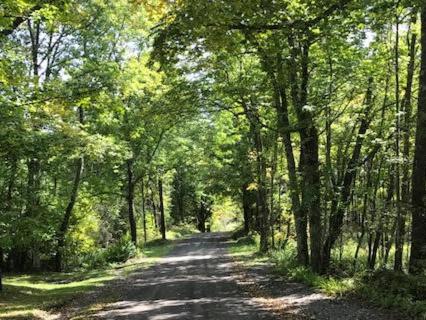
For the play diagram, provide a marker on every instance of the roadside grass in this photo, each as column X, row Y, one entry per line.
column 247, row 249
column 32, row 296
column 180, row 231
column 245, row 246
column 386, row 289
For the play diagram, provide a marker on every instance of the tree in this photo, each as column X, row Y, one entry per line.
column 418, row 238
column 183, row 195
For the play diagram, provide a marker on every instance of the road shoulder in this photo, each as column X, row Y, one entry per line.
column 293, row 300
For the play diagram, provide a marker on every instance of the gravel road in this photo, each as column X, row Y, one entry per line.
column 195, row 281
column 200, row 280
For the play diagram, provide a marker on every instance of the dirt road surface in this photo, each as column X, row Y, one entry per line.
column 200, row 280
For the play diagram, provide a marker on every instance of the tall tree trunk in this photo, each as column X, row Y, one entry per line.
column 34, row 166
column 162, row 218
column 399, row 236
column 367, row 189
column 143, row 209
column 418, row 237
column 262, row 203
column 374, row 241
column 131, row 201
column 203, row 215
column 273, row 215
column 300, row 216
column 68, row 213
column 79, row 167
column 406, row 128
column 8, row 204
column 154, row 210
column 246, row 199
column 279, row 84
column 262, row 194
column 309, row 149
column 340, row 203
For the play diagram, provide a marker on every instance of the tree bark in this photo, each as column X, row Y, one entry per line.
column 309, row 149
column 418, row 237
column 273, row 66
column 143, row 210
column 130, row 201
column 273, row 215
column 79, row 167
column 162, row 218
column 399, row 235
column 342, row 201
column 367, row 190
column 262, row 203
column 247, row 203
column 300, row 217
column 406, row 131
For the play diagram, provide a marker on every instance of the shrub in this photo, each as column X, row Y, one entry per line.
column 285, row 259
column 396, row 290
column 247, row 241
column 181, row 230
column 94, row 259
column 120, row 251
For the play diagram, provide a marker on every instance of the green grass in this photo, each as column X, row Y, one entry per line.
column 244, row 246
column 179, row 231
column 247, row 249
column 32, row 296
column 399, row 292
column 28, row 296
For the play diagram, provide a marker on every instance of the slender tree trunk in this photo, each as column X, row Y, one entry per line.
column 287, row 234
column 300, row 216
column 279, row 84
column 364, row 214
column 340, row 204
column 131, row 201
column 34, row 166
column 246, row 209
column 68, row 213
column 372, row 259
column 143, row 210
column 273, row 215
column 79, row 167
column 201, row 219
column 389, row 239
column 311, row 195
column 162, row 218
column 373, row 246
column 309, row 148
column 406, row 128
column 8, row 205
column 418, row 237
column 262, row 203
column 399, row 236
column 154, row 211
column 11, row 184
column 311, row 166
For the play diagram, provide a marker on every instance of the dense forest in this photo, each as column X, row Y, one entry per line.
column 300, row 122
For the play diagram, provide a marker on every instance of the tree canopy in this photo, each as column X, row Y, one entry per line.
column 121, row 119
